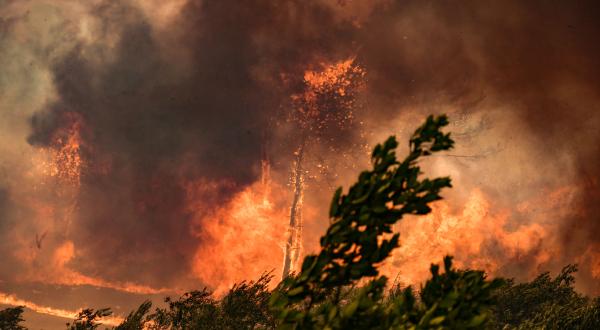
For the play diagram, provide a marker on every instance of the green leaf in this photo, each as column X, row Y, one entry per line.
column 333, row 210
column 295, row 291
column 349, row 309
column 437, row 320
column 476, row 321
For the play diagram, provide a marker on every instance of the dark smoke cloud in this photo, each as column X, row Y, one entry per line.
column 519, row 53
column 5, row 220
column 538, row 60
column 197, row 100
column 159, row 125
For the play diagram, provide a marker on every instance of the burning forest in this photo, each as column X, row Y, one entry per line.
column 150, row 148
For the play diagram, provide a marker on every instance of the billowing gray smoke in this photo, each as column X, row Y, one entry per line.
column 200, row 98
column 158, row 122
column 536, row 62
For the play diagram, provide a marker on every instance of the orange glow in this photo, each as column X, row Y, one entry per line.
column 326, row 102
column 64, row 254
column 58, row 272
column 332, row 88
column 61, row 164
column 470, row 235
column 69, row 277
column 131, row 132
column 12, row 300
column 336, row 74
column 240, row 240
column 592, row 257
column 65, row 162
column 595, row 264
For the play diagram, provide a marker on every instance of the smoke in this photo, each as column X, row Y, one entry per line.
column 151, row 119
column 164, row 97
column 520, row 81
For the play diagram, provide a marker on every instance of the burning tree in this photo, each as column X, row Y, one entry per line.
column 360, row 238
column 340, row 287
column 325, row 106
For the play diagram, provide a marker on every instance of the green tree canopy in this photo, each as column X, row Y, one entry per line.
column 360, row 237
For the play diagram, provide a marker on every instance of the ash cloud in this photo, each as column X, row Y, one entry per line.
column 197, row 99
column 532, row 67
column 158, row 119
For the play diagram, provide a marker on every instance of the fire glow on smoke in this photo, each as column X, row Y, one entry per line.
column 167, row 172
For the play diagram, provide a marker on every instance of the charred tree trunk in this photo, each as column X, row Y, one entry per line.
column 294, row 243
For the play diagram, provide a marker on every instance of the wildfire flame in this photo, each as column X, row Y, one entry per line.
column 592, row 255
column 60, row 166
column 247, row 236
column 240, row 240
column 329, row 95
column 477, row 235
column 64, row 155
column 96, row 124
column 327, row 101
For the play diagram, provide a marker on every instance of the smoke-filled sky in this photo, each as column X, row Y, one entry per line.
column 146, row 147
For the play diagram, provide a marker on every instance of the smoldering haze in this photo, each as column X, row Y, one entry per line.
column 197, row 99
column 153, row 120
column 537, row 63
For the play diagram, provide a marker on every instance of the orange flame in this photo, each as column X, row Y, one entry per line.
column 240, row 240
column 337, row 83
column 65, row 161
column 61, row 164
column 592, row 257
column 477, row 236
column 337, row 75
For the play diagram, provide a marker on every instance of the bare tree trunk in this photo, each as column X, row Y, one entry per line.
column 294, row 243
column 265, row 168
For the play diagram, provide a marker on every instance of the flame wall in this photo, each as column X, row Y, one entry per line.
column 133, row 134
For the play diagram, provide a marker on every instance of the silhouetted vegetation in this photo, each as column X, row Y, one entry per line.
column 360, row 237
column 545, row 303
column 245, row 306
column 88, row 319
column 10, row 318
column 340, row 287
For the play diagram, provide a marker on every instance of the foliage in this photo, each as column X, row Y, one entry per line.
column 340, row 288
column 245, row 306
column 192, row 309
column 360, row 238
column 88, row 319
column 136, row 320
column 11, row 317
column 456, row 299
column 545, row 303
